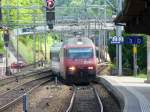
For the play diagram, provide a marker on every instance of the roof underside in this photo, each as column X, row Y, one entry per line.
column 136, row 16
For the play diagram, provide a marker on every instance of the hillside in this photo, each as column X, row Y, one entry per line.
column 26, row 48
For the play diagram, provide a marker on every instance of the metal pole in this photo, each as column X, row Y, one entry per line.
column 17, row 35
column 104, row 45
column 88, row 28
column 25, row 103
column 56, row 80
column 8, row 12
column 45, row 38
column 100, row 35
column 34, row 42
column 38, row 47
column 6, row 73
column 106, row 38
column 105, row 12
column 119, row 4
column 135, row 59
column 148, row 58
column 101, row 43
column 117, row 57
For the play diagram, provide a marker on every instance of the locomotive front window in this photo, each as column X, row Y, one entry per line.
column 77, row 53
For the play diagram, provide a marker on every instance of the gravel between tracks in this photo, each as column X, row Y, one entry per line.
column 17, row 92
column 50, row 98
column 109, row 103
column 47, row 98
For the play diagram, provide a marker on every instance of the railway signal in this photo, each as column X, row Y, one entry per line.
column 6, row 38
column 50, row 13
column 50, row 4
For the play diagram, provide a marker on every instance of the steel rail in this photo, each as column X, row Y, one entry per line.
column 4, row 107
column 71, row 102
column 69, row 109
column 2, row 93
column 21, row 75
column 99, row 100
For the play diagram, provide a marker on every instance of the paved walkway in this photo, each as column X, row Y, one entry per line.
column 136, row 93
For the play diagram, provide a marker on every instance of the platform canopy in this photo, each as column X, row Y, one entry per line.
column 135, row 16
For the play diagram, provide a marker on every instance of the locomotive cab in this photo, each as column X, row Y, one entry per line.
column 79, row 60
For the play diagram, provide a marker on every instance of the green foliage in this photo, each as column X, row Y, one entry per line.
column 1, row 43
column 127, row 55
column 142, row 55
column 141, row 75
column 23, row 40
column 77, row 2
column 25, row 16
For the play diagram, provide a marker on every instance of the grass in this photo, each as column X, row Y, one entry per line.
column 2, row 50
column 142, row 75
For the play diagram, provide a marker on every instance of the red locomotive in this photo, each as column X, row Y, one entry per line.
column 78, row 60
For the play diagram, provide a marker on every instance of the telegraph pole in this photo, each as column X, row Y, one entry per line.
column 45, row 38
column 119, row 47
column 34, row 42
column 105, row 17
column 17, row 37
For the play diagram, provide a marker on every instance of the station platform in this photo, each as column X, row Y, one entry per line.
column 133, row 93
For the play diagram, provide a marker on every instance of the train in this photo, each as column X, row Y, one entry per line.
column 55, row 58
column 77, row 60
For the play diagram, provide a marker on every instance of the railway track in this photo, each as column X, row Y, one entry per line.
column 11, row 97
column 22, row 75
column 85, row 99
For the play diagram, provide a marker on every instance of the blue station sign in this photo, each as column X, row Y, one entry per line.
column 117, row 40
column 133, row 40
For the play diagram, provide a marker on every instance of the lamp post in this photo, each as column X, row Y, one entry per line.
column 119, row 47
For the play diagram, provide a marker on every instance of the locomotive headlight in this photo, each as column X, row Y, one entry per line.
column 90, row 68
column 72, row 68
